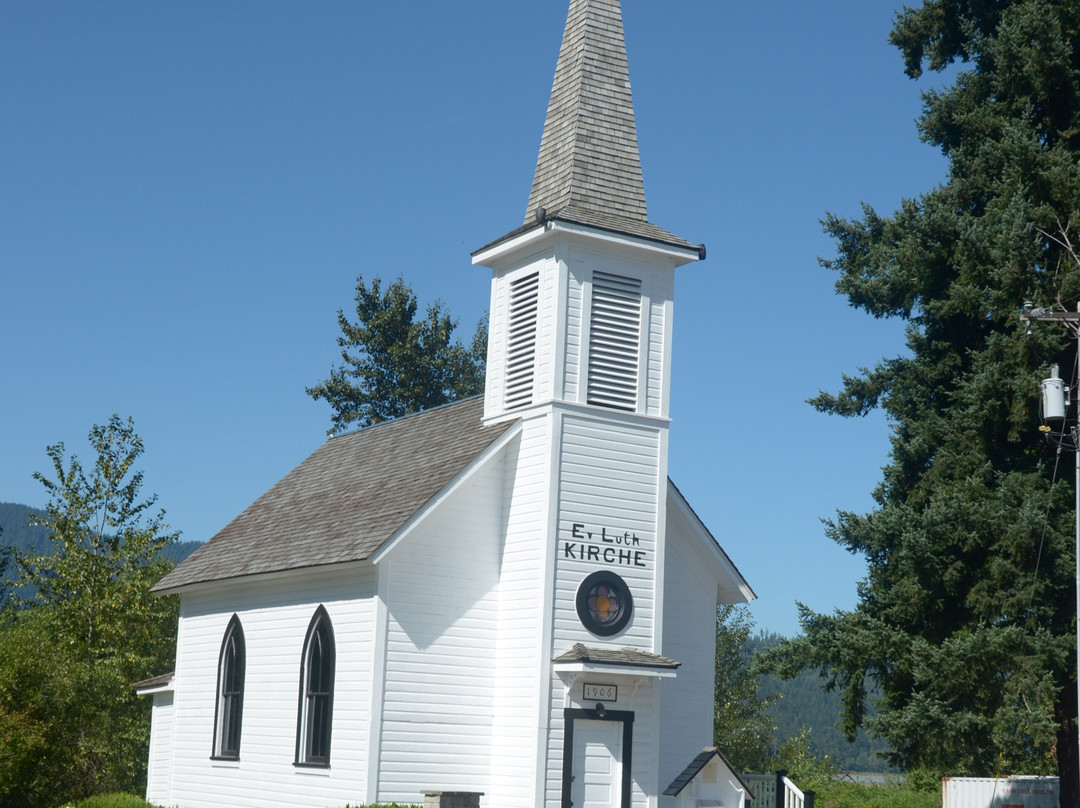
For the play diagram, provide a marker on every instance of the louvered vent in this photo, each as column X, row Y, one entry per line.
column 614, row 341
column 521, row 341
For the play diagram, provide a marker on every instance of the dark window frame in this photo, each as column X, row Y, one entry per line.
column 626, row 718
column 229, row 694
column 315, row 710
column 581, row 600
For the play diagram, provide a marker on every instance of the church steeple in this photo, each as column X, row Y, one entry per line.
column 589, row 170
column 589, row 152
column 582, row 292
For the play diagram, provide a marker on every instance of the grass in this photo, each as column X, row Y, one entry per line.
column 845, row 794
column 111, row 801
column 839, row 794
column 132, row 801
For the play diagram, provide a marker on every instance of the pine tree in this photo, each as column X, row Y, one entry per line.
column 966, row 617
column 394, row 364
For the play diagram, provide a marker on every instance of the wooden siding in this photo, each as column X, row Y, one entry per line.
column 442, row 610
column 546, row 371
column 608, row 482
column 658, row 357
column 275, row 616
column 498, row 323
column 646, row 748
column 639, row 696
column 686, row 702
column 575, row 294
column 522, row 656
column 159, row 770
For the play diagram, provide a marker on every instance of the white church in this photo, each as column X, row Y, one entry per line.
column 504, row 600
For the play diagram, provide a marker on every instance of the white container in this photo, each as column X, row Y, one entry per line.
column 1053, row 397
column 1003, row 792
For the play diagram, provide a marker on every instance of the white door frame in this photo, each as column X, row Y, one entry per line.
column 626, row 717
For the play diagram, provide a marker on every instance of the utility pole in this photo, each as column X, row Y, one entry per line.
column 1054, row 404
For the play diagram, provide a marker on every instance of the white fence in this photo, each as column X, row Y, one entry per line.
column 766, row 787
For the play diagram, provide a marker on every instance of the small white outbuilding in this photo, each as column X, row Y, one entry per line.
column 505, row 597
column 709, row 782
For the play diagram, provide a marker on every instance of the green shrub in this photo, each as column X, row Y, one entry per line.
column 846, row 794
column 119, row 800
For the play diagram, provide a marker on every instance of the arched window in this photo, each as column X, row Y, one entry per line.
column 229, row 711
column 316, row 693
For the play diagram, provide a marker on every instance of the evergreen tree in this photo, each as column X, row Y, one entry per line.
column 966, row 617
column 394, row 364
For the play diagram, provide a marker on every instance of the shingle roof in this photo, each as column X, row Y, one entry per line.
column 153, row 681
column 589, row 169
column 589, row 151
column 695, row 766
column 346, row 499
column 617, row 656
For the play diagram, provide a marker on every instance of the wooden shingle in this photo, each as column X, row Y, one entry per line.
column 631, row 657
column 346, row 499
column 589, row 169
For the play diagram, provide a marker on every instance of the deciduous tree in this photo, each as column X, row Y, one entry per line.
column 966, row 617
column 70, row 723
column 393, row 363
column 743, row 729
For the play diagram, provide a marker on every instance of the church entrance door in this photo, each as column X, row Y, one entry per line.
column 597, row 764
column 596, row 758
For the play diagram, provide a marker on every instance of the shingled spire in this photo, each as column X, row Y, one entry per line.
column 589, row 152
column 589, row 169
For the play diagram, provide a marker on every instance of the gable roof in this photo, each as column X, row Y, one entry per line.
column 588, row 171
column 347, row 498
column 695, row 766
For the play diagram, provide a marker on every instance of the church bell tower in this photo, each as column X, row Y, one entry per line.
column 580, row 351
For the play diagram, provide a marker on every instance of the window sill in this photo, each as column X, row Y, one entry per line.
column 225, row 763
column 318, row 769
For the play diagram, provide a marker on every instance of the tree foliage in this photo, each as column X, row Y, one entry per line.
column 70, row 723
column 803, row 705
column 393, row 363
column 966, row 617
column 743, row 729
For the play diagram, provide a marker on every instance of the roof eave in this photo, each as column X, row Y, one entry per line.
column 529, row 235
column 716, row 553
column 615, row 667
column 278, row 576
column 155, row 684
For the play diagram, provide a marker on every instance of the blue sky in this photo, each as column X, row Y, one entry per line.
column 189, row 189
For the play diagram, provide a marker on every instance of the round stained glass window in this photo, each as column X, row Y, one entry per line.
column 604, row 604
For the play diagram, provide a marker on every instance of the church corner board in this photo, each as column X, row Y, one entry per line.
column 504, row 597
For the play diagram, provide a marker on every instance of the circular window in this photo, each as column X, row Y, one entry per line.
column 604, row 604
